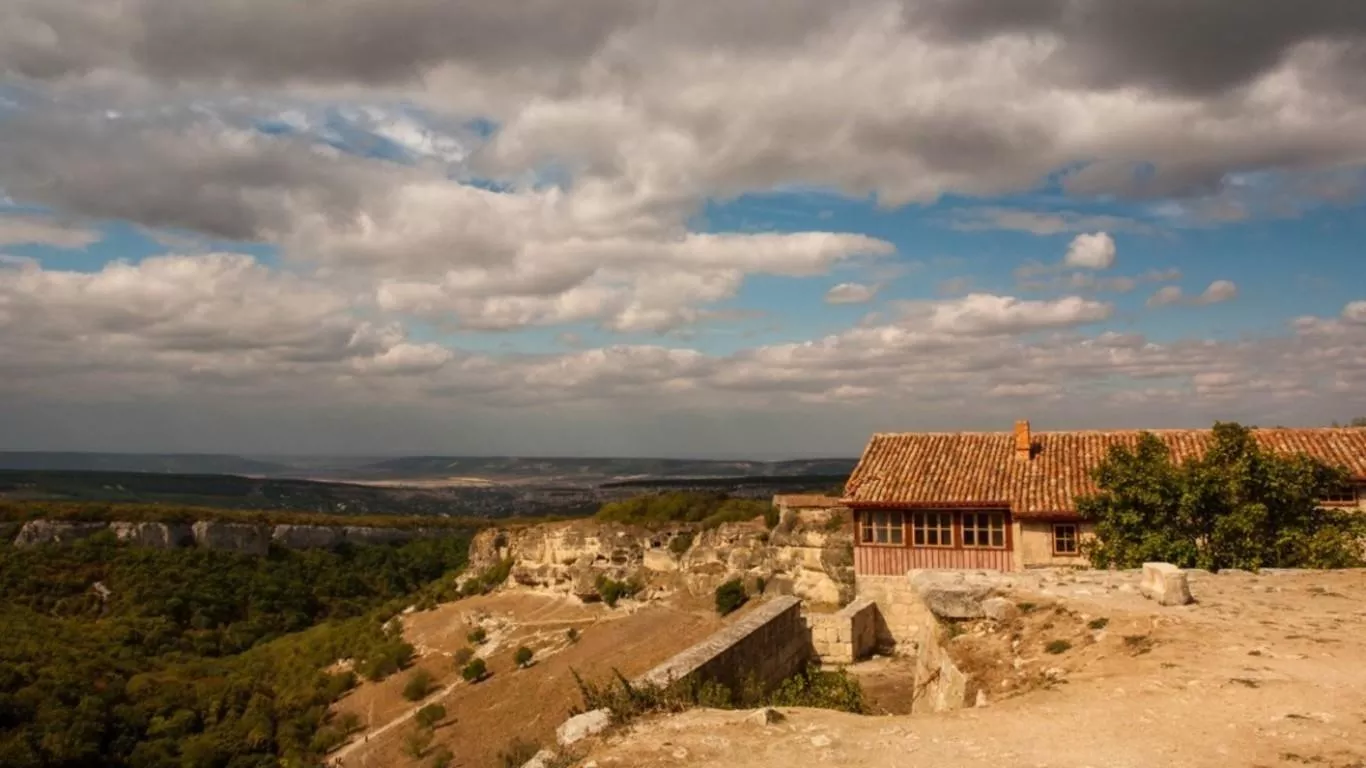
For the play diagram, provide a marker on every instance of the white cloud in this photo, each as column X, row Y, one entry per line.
column 851, row 293
column 1218, row 292
column 1091, row 251
column 988, row 314
column 22, row 229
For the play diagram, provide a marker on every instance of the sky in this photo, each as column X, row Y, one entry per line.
column 668, row 228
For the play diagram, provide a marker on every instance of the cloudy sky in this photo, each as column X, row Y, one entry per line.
column 648, row 227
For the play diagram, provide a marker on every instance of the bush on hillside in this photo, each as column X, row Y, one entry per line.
column 442, row 757
column 1237, row 506
column 430, row 715
column 477, row 636
column 463, row 656
column 416, row 742
column 708, row 509
column 611, row 590
column 474, row 671
column 730, row 596
column 418, row 685
column 680, row 544
column 523, row 656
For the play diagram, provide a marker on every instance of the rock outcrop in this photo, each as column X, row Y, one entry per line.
column 155, row 535
column 56, row 532
column 569, row 558
column 233, row 537
column 1166, row 584
column 307, row 536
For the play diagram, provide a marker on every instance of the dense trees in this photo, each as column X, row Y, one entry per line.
column 1238, row 506
column 709, row 509
column 126, row 656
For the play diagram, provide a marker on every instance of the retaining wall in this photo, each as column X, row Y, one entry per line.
column 901, row 616
column 771, row 642
column 846, row 636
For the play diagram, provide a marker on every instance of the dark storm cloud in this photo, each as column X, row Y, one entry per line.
column 1196, row 47
column 240, row 187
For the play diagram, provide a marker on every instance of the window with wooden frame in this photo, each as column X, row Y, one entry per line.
column 1065, row 539
column 881, row 527
column 984, row 530
column 1345, row 495
column 932, row 529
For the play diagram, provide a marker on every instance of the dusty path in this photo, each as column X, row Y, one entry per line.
column 1266, row 671
column 528, row 704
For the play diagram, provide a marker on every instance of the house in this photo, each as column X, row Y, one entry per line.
column 1007, row 500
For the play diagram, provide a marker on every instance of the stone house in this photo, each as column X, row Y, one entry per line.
column 1007, row 500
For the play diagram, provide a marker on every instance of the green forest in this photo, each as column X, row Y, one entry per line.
column 707, row 509
column 122, row 656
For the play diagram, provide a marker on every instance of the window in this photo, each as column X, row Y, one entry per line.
column 881, row 528
column 1344, row 495
column 984, row 530
column 1064, row 539
column 932, row 529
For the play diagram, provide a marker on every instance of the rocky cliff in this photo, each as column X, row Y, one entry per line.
column 806, row 557
column 237, row 537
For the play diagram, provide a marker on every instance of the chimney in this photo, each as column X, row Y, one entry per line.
column 1024, row 446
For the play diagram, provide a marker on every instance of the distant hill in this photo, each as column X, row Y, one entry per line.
column 591, row 470
column 179, row 463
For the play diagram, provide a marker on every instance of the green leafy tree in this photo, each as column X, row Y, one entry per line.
column 477, row 636
column 1237, row 506
column 416, row 742
column 418, row 685
column 442, row 757
column 475, row 671
column 523, row 656
column 730, row 596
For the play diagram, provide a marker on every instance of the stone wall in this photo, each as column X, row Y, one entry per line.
column 250, row 538
column 770, row 642
column 902, row 616
column 847, row 635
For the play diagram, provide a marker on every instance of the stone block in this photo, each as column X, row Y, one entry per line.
column 580, row 727
column 999, row 609
column 1166, row 584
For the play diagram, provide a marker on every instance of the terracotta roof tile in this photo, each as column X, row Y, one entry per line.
column 981, row 468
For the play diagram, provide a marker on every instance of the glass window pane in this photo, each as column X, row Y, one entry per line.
column 998, row 538
column 969, row 537
column 919, row 537
column 882, row 534
column 896, row 534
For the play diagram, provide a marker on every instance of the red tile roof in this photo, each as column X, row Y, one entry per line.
column 981, row 468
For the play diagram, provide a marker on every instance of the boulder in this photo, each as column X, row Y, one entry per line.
column 155, row 535
column 307, row 536
column 540, row 759
column 949, row 595
column 56, row 532
column 580, row 727
column 1166, row 584
column 999, row 610
column 765, row 716
column 233, row 537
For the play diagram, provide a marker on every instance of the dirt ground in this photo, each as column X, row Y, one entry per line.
column 1264, row 670
column 482, row 719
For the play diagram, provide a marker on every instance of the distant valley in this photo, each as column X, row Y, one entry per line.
column 420, row 485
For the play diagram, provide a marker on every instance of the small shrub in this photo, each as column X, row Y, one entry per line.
column 477, row 636
column 572, row 634
column 680, row 543
column 517, row 753
column 1027, row 607
column 523, row 657
column 430, row 715
column 1057, row 646
column 834, row 524
column 771, row 517
column 611, row 591
column 419, row 684
column 463, row 656
column 1100, row 623
column 442, row 758
column 416, row 742
column 1138, row 644
column 475, row 671
column 386, row 660
column 348, row 722
column 730, row 596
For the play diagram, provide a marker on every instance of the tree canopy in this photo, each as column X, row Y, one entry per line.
column 1237, row 506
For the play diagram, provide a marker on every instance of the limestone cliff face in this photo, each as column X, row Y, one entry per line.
column 155, row 535
column 233, row 537
column 813, row 563
column 55, row 532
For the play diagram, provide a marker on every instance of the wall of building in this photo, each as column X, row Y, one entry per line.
column 1034, row 544
column 771, row 642
column 845, row 636
column 902, row 617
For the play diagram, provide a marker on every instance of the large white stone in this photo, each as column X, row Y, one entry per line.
column 580, row 727
column 1166, row 584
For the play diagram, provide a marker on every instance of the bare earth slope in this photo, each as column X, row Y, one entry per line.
column 1266, row 670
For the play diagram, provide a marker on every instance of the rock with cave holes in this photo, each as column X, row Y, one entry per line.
column 1165, row 584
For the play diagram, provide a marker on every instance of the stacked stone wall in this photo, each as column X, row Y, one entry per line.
column 771, row 643
column 847, row 635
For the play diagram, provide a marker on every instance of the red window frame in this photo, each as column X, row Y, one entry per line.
column 1076, row 539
